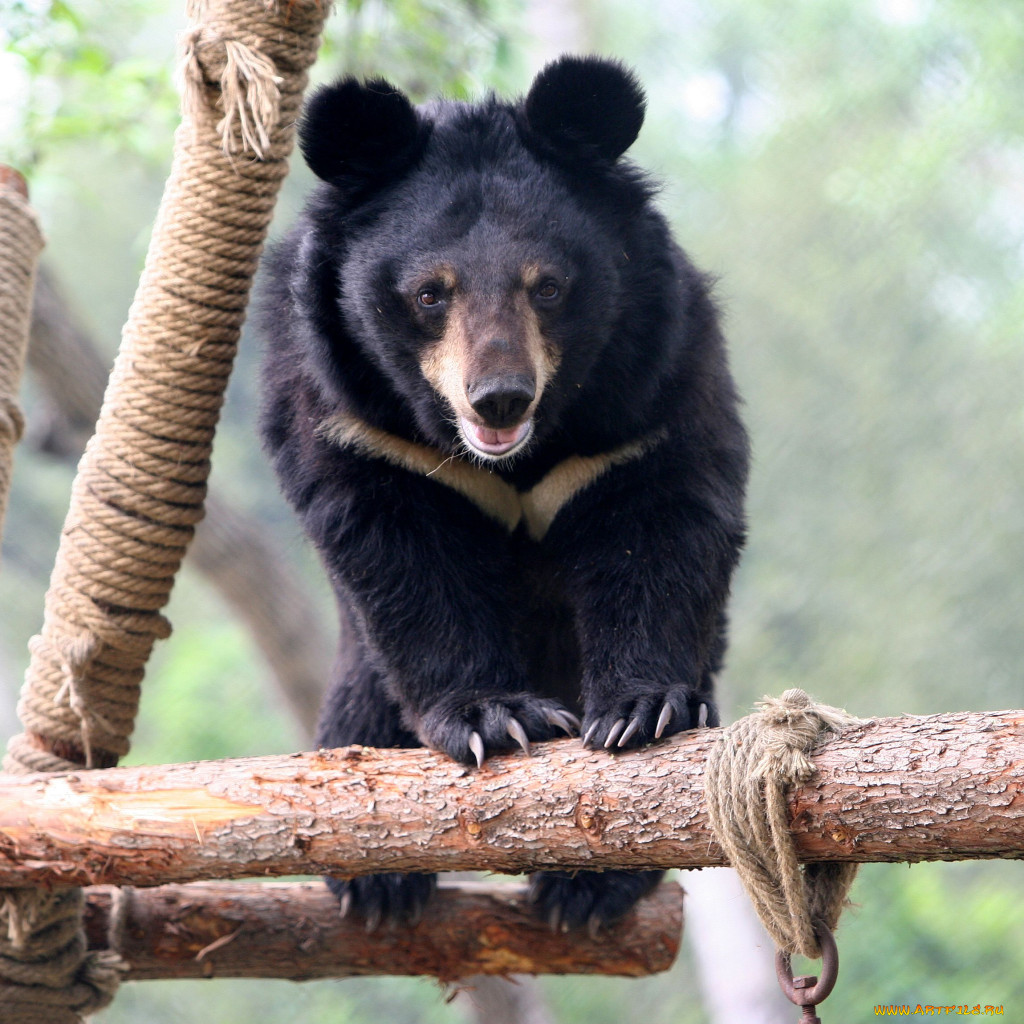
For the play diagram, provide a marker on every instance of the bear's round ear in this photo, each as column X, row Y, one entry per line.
column 355, row 133
column 585, row 107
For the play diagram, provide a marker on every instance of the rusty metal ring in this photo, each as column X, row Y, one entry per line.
column 820, row 987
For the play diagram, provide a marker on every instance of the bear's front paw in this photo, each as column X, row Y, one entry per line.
column 631, row 721
column 470, row 730
column 572, row 899
column 397, row 899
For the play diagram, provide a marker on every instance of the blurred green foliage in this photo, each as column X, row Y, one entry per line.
column 851, row 170
column 432, row 46
column 90, row 77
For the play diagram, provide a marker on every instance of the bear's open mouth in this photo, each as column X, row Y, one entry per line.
column 495, row 444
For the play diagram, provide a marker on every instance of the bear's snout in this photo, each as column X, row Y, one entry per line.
column 501, row 400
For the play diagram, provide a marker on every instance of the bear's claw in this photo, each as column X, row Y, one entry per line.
column 588, row 899
column 663, row 719
column 518, row 733
column 630, row 731
column 615, row 732
column 476, row 745
column 389, row 896
column 564, row 720
column 632, row 723
column 469, row 731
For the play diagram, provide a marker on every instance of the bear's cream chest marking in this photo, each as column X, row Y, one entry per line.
column 496, row 498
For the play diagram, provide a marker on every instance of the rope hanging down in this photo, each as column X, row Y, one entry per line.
column 755, row 761
column 141, row 483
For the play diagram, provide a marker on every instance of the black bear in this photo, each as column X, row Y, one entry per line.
column 496, row 393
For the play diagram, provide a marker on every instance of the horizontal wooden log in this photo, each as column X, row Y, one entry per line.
column 293, row 931
column 942, row 787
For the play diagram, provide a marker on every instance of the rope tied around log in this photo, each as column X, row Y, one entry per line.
column 748, row 772
column 46, row 976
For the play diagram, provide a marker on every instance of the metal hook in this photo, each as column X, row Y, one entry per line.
column 808, row 991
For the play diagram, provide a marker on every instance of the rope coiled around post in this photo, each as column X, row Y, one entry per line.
column 21, row 241
column 46, row 977
column 748, row 773
column 141, row 483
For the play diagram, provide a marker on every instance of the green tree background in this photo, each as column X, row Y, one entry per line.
column 852, row 171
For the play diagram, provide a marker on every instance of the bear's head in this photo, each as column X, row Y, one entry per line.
column 480, row 254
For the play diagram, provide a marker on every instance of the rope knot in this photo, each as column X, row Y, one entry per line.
column 792, row 725
column 76, row 657
column 218, row 73
column 755, row 761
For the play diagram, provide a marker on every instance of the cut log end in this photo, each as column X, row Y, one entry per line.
column 13, row 181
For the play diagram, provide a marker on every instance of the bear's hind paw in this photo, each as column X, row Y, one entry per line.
column 389, row 897
column 574, row 899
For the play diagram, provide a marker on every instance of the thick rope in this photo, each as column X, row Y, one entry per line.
column 45, row 974
column 748, row 772
column 140, row 485
column 21, row 241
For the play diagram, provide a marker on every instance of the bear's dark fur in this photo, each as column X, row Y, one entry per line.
column 497, row 395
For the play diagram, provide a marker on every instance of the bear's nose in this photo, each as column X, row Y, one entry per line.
column 501, row 401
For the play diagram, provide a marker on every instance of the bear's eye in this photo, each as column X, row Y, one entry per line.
column 428, row 297
column 548, row 290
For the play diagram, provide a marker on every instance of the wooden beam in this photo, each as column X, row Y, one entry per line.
column 942, row 787
column 293, row 930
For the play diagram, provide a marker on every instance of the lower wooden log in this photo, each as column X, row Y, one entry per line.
column 293, row 931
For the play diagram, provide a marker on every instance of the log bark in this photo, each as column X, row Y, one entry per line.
column 293, row 931
column 942, row 787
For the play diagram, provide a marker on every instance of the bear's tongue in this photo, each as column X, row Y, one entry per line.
column 495, row 442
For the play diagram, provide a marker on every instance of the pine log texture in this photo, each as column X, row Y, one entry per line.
column 942, row 787
column 292, row 930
